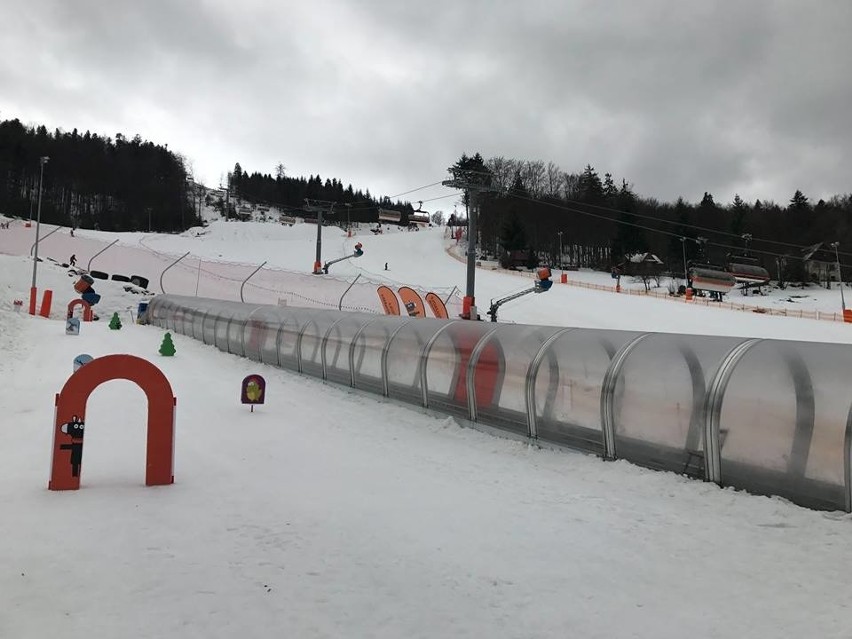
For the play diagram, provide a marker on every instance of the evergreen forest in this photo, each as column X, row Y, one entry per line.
column 598, row 221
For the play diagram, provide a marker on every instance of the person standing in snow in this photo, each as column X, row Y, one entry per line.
column 73, row 260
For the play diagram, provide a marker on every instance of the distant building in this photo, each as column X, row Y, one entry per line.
column 820, row 263
column 644, row 258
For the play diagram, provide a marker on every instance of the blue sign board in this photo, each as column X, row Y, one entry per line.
column 81, row 360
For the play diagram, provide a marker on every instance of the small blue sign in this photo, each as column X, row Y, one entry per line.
column 72, row 326
column 81, row 360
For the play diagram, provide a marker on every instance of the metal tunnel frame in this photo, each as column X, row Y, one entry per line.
column 813, row 467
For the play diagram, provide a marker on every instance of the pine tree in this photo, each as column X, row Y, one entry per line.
column 610, row 191
column 591, row 188
column 629, row 238
column 513, row 236
column 738, row 215
column 167, row 348
column 115, row 322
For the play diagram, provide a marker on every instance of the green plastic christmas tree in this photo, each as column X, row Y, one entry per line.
column 167, row 348
column 115, row 322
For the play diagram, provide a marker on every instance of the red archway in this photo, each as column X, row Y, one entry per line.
column 70, row 419
column 88, row 313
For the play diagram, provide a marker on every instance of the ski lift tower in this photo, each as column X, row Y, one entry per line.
column 473, row 183
column 319, row 207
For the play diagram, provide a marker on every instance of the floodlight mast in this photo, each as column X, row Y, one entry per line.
column 42, row 161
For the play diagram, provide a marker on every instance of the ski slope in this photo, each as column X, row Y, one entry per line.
column 231, row 251
column 329, row 513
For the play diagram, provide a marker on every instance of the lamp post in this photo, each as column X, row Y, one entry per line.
column 559, row 233
column 834, row 245
column 683, row 246
column 43, row 160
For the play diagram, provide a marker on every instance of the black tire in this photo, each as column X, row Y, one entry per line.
column 140, row 281
column 99, row 275
column 120, row 278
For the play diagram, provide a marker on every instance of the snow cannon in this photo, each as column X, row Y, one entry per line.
column 541, row 285
column 84, row 283
column 87, row 293
column 543, row 281
column 358, row 252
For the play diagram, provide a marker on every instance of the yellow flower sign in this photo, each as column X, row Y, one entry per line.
column 253, row 390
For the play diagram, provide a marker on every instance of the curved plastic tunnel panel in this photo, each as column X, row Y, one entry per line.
column 367, row 349
column 659, row 400
column 404, row 351
column 338, row 343
column 783, row 422
column 446, row 367
column 569, row 384
column 503, row 369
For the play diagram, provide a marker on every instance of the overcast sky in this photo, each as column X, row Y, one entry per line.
column 678, row 97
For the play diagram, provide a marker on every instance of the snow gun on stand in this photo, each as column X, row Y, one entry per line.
column 87, row 292
column 358, row 252
column 542, row 284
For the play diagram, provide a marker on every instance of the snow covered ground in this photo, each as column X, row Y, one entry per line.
column 329, row 513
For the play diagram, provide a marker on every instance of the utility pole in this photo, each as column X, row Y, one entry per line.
column 348, row 219
column 473, row 183
column 834, row 245
column 43, row 160
column 559, row 233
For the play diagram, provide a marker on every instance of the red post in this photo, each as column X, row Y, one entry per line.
column 46, row 301
column 33, row 293
column 467, row 302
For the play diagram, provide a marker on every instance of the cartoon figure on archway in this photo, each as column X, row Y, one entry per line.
column 75, row 429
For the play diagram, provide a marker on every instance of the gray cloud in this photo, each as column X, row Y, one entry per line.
column 679, row 97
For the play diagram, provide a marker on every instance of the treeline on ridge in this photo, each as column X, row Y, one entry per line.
column 92, row 181
column 291, row 194
column 96, row 182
